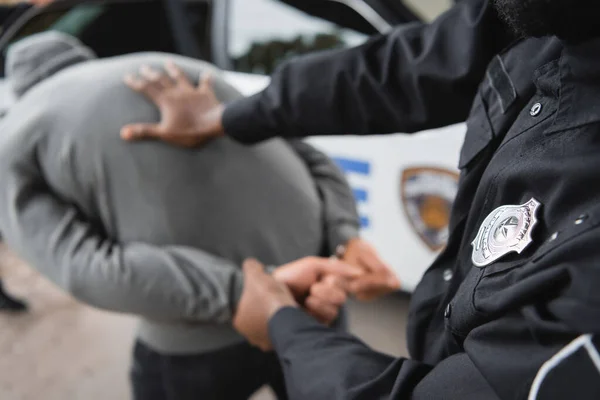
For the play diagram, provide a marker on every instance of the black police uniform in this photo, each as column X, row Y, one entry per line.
column 533, row 132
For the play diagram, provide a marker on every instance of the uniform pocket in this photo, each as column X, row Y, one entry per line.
column 502, row 266
column 493, row 290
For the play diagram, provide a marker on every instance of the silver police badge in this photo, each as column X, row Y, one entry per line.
column 507, row 229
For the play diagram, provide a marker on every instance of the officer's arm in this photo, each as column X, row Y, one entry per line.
column 417, row 77
column 550, row 301
column 166, row 282
column 500, row 361
column 337, row 199
column 320, row 363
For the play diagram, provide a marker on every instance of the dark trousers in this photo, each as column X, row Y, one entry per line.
column 232, row 373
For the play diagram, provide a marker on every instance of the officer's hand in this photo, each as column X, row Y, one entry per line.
column 261, row 298
column 378, row 278
column 190, row 115
column 318, row 284
column 326, row 297
column 301, row 275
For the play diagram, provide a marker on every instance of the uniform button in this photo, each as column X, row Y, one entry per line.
column 581, row 219
column 448, row 311
column 448, row 275
column 536, row 109
column 553, row 237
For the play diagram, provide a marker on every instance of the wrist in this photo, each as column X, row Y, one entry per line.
column 340, row 238
column 276, row 307
column 215, row 116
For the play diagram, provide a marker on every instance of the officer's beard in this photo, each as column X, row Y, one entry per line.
column 570, row 20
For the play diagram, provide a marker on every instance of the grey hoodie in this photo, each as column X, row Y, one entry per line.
column 151, row 229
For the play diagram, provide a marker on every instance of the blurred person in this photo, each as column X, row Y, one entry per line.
column 161, row 232
column 8, row 14
column 511, row 307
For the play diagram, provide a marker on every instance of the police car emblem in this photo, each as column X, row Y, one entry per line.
column 427, row 195
column 507, row 229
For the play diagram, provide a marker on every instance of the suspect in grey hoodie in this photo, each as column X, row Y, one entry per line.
column 147, row 228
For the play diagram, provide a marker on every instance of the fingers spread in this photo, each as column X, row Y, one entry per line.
column 134, row 82
column 155, row 78
column 141, row 131
column 177, row 74
column 150, row 83
column 206, row 82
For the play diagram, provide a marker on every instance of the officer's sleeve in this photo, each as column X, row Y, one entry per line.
column 419, row 76
column 547, row 304
column 337, row 199
column 166, row 282
column 320, row 363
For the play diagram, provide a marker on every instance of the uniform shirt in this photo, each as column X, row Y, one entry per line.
column 148, row 228
column 533, row 132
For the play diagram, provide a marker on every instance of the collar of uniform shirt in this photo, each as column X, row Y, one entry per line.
column 575, row 80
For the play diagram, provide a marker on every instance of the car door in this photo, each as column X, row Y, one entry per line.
column 404, row 185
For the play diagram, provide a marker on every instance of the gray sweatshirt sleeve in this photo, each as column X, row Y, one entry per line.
column 165, row 282
column 339, row 206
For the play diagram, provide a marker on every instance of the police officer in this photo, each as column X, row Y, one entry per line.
column 510, row 308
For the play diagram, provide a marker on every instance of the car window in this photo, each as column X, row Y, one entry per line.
column 263, row 33
column 112, row 29
column 109, row 29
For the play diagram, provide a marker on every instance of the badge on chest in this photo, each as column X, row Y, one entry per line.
column 507, row 229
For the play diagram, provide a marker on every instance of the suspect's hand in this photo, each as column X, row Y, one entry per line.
column 190, row 115
column 378, row 278
column 261, row 298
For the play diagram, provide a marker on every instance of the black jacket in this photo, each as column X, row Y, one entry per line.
column 533, row 133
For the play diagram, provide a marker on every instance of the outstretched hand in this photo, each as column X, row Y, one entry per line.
column 190, row 115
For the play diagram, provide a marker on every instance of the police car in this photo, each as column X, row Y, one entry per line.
column 404, row 185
